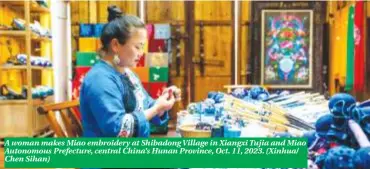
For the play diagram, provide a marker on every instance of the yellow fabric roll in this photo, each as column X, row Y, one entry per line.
column 338, row 48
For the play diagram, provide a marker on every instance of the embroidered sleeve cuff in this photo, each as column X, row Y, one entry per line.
column 127, row 126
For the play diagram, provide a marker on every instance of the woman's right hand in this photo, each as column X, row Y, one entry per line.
column 164, row 103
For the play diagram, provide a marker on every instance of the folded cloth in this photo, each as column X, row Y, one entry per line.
column 339, row 158
column 361, row 159
column 323, row 125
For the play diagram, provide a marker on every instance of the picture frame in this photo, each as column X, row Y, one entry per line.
column 287, row 48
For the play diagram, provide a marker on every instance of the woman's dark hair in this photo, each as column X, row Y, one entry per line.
column 119, row 26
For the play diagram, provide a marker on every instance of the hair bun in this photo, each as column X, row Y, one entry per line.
column 114, row 12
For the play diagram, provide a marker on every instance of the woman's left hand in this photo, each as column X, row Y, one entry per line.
column 175, row 90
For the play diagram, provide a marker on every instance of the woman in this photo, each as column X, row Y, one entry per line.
column 113, row 101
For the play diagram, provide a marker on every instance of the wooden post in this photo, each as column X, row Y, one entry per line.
column 251, row 75
column 239, row 49
column 27, row 16
column 189, row 52
column 232, row 47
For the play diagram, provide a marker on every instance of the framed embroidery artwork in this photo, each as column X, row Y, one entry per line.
column 286, row 48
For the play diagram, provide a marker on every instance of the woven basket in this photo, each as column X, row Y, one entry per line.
column 189, row 131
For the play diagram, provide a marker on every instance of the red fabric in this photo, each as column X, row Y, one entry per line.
column 333, row 144
column 77, row 81
column 156, row 89
column 82, row 71
column 141, row 62
column 75, row 90
column 154, row 45
column 77, row 110
column 146, row 86
column 157, row 45
column 359, row 47
column 150, row 31
column 321, row 151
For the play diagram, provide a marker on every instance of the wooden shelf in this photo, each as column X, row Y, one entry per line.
column 13, row 33
column 39, row 39
column 34, row 6
column 22, row 34
column 36, row 102
column 24, row 67
column 20, row 116
column 37, row 8
column 14, row 3
column 13, row 102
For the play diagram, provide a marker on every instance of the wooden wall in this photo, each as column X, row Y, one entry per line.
column 217, row 43
column 217, row 39
column 95, row 11
column 244, row 40
column 217, row 46
column 165, row 12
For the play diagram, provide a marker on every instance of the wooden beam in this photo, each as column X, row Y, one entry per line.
column 252, row 75
column 189, row 51
column 197, row 22
column 248, row 51
column 233, row 80
column 27, row 17
column 239, row 17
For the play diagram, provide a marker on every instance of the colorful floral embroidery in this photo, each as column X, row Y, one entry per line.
column 127, row 127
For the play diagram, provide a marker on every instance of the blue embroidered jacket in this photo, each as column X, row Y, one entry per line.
column 112, row 104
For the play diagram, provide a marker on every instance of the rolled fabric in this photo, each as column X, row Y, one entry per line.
column 219, row 98
column 359, row 134
column 340, row 109
column 211, row 94
column 361, row 158
column 256, row 91
column 263, row 96
column 216, row 96
column 323, row 125
column 311, row 136
column 208, row 106
column 338, row 136
column 364, row 103
column 284, row 93
column 361, row 115
column 320, row 160
column 340, row 157
column 193, row 108
column 346, row 98
column 239, row 93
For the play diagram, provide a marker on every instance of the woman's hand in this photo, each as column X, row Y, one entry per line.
column 164, row 103
column 175, row 90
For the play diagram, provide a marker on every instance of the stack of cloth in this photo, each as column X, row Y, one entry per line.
column 36, row 28
column 38, row 92
column 35, row 60
column 340, row 139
